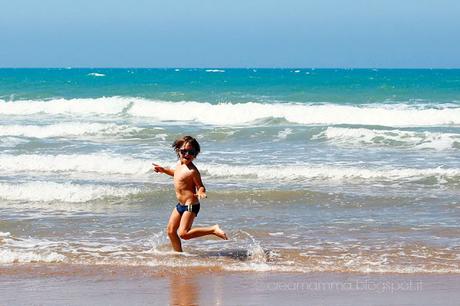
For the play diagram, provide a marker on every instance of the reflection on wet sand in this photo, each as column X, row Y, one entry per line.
column 184, row 290
column 195, row 288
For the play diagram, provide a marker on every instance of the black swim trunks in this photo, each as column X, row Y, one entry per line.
column 195, row 208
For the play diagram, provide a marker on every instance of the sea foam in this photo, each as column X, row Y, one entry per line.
column 66, row 129
column 65, row 192
column 112, row 165
column 329, row 173
column 21, row 256
column 102, row 106
column 394, row 138
column 295, row 113
column 97, row 163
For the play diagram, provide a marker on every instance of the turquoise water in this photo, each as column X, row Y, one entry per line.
column 351, row 86
column 306, row 170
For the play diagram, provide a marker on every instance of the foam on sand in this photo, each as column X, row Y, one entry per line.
column 18, row 256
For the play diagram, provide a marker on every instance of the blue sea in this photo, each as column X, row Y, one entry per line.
column 307, row 170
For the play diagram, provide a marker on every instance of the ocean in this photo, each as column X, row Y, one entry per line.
column 307, row 170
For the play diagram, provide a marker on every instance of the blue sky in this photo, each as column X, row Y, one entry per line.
column 224, row 33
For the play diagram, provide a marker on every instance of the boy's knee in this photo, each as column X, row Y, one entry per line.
column 171, row 230
column 183, row 234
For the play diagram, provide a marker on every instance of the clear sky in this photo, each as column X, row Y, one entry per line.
column 230, row 33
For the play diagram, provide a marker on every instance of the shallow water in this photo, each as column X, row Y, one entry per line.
column 315, row 170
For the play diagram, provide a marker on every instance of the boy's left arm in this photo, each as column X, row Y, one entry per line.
column 200, row 189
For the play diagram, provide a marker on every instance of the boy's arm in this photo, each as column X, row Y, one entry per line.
column 200, row 189
column 160, row 169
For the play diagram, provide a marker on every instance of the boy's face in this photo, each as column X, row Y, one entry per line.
column 187, row 153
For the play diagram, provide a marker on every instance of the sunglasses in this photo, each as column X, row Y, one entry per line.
column 191, row 152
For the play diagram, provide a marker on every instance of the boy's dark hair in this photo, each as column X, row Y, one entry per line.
column 178, row 143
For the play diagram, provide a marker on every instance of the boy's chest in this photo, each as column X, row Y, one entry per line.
column 183, row 176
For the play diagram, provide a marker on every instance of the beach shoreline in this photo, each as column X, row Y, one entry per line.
column 34, row 284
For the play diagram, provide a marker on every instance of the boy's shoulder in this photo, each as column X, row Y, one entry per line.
column 193, row 167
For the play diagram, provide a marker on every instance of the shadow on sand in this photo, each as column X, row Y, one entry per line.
column 237, row 254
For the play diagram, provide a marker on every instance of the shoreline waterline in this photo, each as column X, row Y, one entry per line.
column 197, row 287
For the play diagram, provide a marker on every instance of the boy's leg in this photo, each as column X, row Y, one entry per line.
column 187, row 232
column 173, row 225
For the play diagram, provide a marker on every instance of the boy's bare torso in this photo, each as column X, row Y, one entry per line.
column 189, row 189
column 185, row 183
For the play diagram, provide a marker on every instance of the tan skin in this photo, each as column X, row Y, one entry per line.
column 189, row 190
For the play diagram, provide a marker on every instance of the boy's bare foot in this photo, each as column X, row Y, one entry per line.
column 219, row 233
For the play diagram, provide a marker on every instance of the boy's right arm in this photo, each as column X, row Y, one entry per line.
column 160, row 169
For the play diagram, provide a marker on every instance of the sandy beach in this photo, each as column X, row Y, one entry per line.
column 110, row 285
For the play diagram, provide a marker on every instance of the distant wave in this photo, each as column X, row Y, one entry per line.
column 95, row 74
column 393, row 138
column 101, row 106
column 215, row 70
column 245, row 113
column 66, row 129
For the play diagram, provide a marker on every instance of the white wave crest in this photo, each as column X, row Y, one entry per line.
column 66, row 129
column 422, row 140
column 98, row 163
column 215, row 70
column 96, row 74
column 331, row 173
column 297, row 113
column 22, row 256
column 5, row 234
column 104, row 106
column 284, row 134
column 11, row 142
column 242, row 113
column 41, row 191
column 105, row 164
column 27, row 250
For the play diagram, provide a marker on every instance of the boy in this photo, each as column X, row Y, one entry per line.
column 189, row 190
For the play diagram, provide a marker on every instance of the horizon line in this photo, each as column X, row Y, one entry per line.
column 247, row 68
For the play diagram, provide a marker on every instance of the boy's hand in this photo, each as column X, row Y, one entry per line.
column 158, row 168
column 201, row 195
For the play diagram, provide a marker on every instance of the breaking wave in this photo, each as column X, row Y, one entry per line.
column 217, row 114
column 392, row 138
column 65, row 192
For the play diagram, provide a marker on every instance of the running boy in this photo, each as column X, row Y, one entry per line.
column 189, row 190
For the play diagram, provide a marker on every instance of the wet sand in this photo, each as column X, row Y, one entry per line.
column 110, row 285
